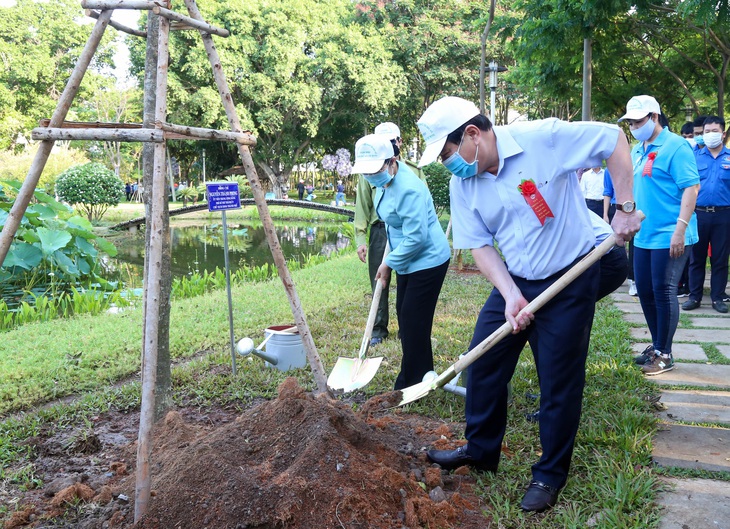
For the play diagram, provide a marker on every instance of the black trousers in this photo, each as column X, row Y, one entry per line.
column 416, row 297
column 713, row 229
column 561, row 332
column 614, row 269
column 376, row 248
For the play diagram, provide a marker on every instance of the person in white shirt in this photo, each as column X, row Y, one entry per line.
column 516, row 186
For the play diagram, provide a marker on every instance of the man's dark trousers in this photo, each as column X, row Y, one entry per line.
column 561, row 330
column 376, row 247
column 712, row 228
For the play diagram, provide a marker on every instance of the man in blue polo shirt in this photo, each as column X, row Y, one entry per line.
column 516, row 186
column 713, row 217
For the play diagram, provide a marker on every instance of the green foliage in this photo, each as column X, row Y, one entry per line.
column 301, row 73
column 52, row 250
column 91, row 188
column 438, row 178
column 15, row 165
column 40, row 43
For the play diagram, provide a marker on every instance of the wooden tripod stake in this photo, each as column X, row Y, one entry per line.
column 158, row 135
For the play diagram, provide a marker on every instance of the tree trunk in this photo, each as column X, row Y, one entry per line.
column 164, row 378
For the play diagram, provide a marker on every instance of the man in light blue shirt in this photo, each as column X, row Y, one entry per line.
column 516, row 185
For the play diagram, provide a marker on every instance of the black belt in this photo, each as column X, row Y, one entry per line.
column 711, row 209
column 594, row 200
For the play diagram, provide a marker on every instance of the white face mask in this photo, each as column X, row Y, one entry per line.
column 692, row 142
column 644, row 132
column 712, row 139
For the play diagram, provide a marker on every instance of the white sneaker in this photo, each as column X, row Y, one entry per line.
column 632, row 288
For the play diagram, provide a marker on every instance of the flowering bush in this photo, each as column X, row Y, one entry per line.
column 91, row 188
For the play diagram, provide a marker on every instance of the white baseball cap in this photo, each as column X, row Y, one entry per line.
column 388, row 129
column 640, row 106
column 371, row 151
column 441, row 119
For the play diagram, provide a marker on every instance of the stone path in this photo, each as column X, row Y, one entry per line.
column 694, row 429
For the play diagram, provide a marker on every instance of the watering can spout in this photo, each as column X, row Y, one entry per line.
column 246, row 347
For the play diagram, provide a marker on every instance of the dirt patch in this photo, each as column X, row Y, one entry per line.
column 297, row 462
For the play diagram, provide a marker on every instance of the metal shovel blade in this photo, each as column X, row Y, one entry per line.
column 350, row 374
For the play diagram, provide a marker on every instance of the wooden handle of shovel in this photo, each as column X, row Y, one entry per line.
column 367, row 335
column 537, row 303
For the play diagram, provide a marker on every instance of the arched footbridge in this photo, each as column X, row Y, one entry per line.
column 133, row 224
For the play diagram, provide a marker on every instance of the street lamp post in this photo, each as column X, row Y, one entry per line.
column 493, row 69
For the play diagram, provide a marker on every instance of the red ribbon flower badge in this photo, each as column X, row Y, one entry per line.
column 535, row 200
column 649, row 164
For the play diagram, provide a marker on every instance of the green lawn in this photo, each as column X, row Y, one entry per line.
column 612, row 482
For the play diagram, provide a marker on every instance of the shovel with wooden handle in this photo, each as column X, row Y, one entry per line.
column 417, row 391
column 350, row 374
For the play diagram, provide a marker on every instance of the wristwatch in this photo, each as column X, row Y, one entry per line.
column 626, row 207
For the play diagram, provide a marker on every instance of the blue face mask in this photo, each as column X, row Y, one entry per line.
column 700, row 140
column 379, row 179
column 459, row 167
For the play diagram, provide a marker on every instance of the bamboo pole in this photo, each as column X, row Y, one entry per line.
column 56, row 133
column 118, row 26
column 197, row 24
column 312, row 356
column 44, row 150
column 122, row 4
column 208, row 134
column 152, row 288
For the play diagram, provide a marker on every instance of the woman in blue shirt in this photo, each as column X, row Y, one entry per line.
column 419, row 252
column 666, row 183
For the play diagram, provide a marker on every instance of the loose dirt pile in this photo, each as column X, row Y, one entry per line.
column 296, row 462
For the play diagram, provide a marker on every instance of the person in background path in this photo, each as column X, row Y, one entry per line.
column 665, row 185
column 516, row 186
column 419, row 252
column 713, row 217
column 340, row 196
column 688, row 134
column 697, row 127
column 609, row 210
column 300, row 189
column 591, row 185
column 128, row 191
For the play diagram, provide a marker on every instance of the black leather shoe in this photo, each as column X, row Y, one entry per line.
column 719, row 306
column 539, row 497
column 451, row 459
column 690, row 304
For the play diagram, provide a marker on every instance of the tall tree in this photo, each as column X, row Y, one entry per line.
column 40, row 43
column 302, row 76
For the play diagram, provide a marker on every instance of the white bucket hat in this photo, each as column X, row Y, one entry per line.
column 640, row 106
column 441, row 119
column 371, row 151
column 388, row 129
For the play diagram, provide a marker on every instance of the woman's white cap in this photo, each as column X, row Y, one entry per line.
column 639, row 107
column 371, row 151
column 388, row 129
column 441, row 119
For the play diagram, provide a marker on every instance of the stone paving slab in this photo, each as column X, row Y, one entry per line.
column 717, row 323
column 629, row 307
column 692, row 447
column 680, row 351
column 695, row 504
column 688, row 335
column 699, row 375
column 623, row 297
column 724, row 349
column 696, row 406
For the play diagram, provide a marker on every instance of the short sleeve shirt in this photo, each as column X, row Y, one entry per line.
column 714, row 177
column 658, row 192
column 489, row 208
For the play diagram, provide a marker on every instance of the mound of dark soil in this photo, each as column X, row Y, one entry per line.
column 296, row 462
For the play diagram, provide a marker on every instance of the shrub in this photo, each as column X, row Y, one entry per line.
column 438, row 178
column 91, row 188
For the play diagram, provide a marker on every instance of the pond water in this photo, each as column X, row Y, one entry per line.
column 200, row 247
